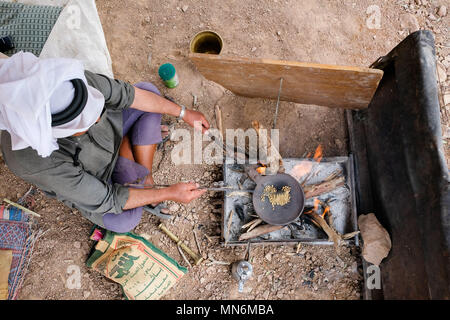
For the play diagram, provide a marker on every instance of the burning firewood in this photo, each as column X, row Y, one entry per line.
column 332, row 234
column 274, row 159
column 316, row 190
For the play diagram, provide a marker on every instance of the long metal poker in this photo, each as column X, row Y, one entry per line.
column 278, row 103
column 151, row 186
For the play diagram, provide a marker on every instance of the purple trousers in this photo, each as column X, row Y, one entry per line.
column 143, row 128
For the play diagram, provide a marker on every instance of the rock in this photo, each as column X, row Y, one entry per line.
column 184, row 8
column 202, row 280
column 377, row 242
column 206, row 174
column 338, row 143
column 442, row 11
column 279, row 33
column 432, row 17
column 266, row 295
column 442, row 73
column 86, row 294
column 446, row 98
column 174, row 207
column 253, row 49
column 77, row 244
column 409, row 21
column 268, row 256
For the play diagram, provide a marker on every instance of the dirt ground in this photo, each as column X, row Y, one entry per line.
column 143, row 34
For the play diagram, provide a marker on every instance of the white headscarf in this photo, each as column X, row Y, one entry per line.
column 31, row 89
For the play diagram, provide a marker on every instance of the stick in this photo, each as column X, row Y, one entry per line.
column 315, row 190
column 247, row 225
column 230, row 220
column 331, row 233
column 254, row 225
column 262, row 230
column 196, row 242
column 350, row 235
column 180, row 243
column 22, row 208
column 183, row 256
column 219, row 122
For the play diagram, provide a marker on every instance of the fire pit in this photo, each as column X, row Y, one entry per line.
column 338, row 202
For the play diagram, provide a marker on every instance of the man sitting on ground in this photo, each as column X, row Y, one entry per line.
column 80, row 137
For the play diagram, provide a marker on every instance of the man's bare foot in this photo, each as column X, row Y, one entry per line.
column 164, row 131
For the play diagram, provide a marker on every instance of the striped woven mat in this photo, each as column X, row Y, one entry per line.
column 16, row 234
column 28, row 25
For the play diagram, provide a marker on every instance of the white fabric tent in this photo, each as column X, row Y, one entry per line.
column 77, row 34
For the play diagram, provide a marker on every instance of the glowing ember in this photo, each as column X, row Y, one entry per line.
column 261, row 170
column 327, row 209
column 318, row 155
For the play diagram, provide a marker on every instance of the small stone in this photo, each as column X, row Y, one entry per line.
column 202, row 280
column 206, row 174
column 266, row 295
column 409, row 21
column 447, row 99
column 442, row 73
column 86, row 294
column 442, row 11
column 268, row 256
column 279, row 33
column 253, row 49
column 184, row 8
column 174, row 207
column 432, row 17
column 77, row 244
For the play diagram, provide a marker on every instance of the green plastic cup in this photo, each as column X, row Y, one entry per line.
column 169, row 75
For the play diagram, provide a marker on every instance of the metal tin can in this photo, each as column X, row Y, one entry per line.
column 169, row 75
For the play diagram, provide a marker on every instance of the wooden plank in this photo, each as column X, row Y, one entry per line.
column 306, row 83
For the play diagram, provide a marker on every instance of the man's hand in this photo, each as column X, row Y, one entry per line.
column 191, row 116
column 185, row 192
